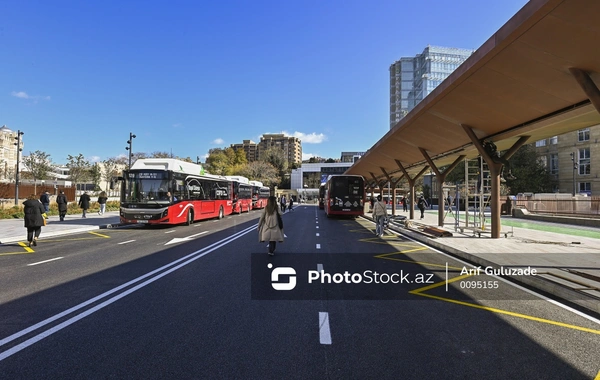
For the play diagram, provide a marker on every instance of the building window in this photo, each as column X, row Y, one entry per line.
column 554, row 164
column 584, row 161
column 583, row 134
column 540, row 143
column 554, row 140
column 544, row 161
column 585, row 187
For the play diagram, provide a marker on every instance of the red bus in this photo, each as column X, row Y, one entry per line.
column 345, row 195
column 169, row 191
column 242, row 193
column 322, row 196
column 260, row 194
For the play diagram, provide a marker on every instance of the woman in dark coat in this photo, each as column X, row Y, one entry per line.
column 34, row 218
column 84, row 202
column 63, row 204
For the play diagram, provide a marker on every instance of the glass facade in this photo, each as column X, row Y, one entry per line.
column 413, row 78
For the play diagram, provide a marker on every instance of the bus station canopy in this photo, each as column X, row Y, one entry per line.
column 535, row 77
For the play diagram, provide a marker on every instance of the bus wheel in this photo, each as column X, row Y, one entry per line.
column 189, row 220
column 221, row 213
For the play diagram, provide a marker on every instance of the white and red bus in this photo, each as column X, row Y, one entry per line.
column 322, row 196
column 260, row 194
column 242, row 193
column 344, row 195
column 170, row 191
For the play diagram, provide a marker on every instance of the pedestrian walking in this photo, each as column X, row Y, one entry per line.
column 421, row 204
column 291, row 204
column 283, row 204
column 379, row 215
column 102, row 198
column 34, row 219
column 269, row 228
column 45, row 199
column 84, row 203
column 405, row 204
column 63, row 204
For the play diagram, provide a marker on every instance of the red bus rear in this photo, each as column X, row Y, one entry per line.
column 242, row 194
column 345, row 195
column 260, row 195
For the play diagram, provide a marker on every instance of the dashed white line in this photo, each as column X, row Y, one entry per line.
column 320, row 267
column 324, row 332
column 318, row 246
column 125, row 242
column 45, row 261
column 317, row 234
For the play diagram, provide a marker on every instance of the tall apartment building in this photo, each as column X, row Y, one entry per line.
column 572, row 158
column 413, row 78
column 8, row 153
column 292, row 146
column 249, row 147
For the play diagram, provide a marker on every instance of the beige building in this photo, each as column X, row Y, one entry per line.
column 570, row 158
column 249, row 147
column 291, row 146
column 8, row 153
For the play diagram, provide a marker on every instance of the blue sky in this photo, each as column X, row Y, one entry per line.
column 188, row 76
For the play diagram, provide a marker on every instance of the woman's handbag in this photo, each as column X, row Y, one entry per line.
column 44, row 219
column 279, row 221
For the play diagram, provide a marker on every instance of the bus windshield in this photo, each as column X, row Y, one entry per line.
column 147, row 187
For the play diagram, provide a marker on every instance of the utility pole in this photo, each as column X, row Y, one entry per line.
column 131, row 137
column 19, row 150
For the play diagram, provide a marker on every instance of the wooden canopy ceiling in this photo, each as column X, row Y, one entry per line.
column 523, row 81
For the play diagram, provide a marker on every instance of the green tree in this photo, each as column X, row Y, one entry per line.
column 79, row 168
column 39, row 164
column 532, row 175
column 217, row 162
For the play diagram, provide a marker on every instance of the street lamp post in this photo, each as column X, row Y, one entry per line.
column 575, row 166
column 19, row 149
column 131, row 137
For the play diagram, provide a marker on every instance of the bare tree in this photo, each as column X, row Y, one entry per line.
column 39, row 164
column 78, row 168
column 110, row 170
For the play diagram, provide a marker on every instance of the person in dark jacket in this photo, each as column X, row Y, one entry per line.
column 102, row 198
column 45, row 199
column 34, row 219
column 63, row 204
column 84, row 202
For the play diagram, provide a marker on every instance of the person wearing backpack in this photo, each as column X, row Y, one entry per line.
column 421, row 204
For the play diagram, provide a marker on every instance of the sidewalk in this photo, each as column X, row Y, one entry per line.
column 567, row 257
column 13, row 230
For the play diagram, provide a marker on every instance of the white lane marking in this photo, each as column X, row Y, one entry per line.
column 318, row 246
column 320, row 267
column 317, row 227
column 324, row 331
column 190, row 258
column 170, row 232
column 179, row 240
column 43, row 262
column 317, row 234
column 125, row 242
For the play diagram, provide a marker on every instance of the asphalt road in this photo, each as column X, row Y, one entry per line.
column 199, row 302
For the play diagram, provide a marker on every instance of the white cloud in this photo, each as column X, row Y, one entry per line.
column 24, row 95
column 310, row 138
column 20, row 94
column 94, row 159
column 307, row 156
column 218, row 141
